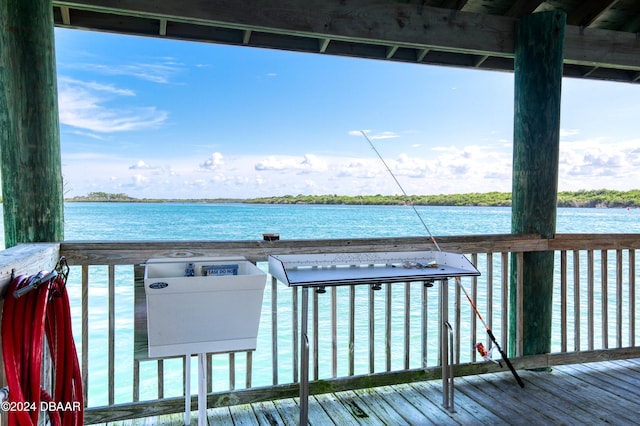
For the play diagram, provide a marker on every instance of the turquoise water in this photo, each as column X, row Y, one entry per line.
column 175, row 221
column 124, row 221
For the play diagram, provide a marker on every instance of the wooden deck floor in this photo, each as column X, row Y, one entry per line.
column 585, row 394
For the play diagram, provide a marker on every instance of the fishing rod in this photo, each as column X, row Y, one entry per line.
column 402, row 189
column 458, row 280
column 491, row 336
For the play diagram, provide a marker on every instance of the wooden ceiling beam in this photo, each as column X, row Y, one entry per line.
column 366, row 21
column 163, row 27
column 453, row 4
column 246, row 37
column 375, row 23
column 633, row 25
column 66, row 16
column 588, row 11
column 324, row 43
column 523, row 7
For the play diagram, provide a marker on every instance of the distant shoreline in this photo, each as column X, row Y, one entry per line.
column 603, row 198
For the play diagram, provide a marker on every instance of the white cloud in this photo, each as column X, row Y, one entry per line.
column 374, row 135
column 600, row 163
column 86, row 106
column 160, row 72
column 140, row 165
column 215, row 162
column 474, row 168
column 308, row 164
column 95, row 86
column 564, row 133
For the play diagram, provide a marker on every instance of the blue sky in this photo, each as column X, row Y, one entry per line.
column 169, row 119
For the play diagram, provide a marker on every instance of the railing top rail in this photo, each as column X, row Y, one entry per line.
column 135, row 252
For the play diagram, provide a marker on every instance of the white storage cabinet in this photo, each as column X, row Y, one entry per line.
column 217, row 309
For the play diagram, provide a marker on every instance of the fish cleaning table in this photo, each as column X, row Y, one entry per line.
column 375, row 268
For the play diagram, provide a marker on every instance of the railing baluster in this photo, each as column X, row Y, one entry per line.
column 591, row 284
column 136, row 381
column 232, row 371
column 111, row 331
column 407, row 325
column 85, row 332
column 458, row 321
column 316, row 339
column 604, row 298
column 632, row 297
column 334, row 332
column 425, row 329
column 372, row 337
column 563, row 300
column 618, row 298
column 576, row 300
column 387, row 327
column 519, row 303
column 489, row 298
column 160, row 370
column 352, row 329
column 505, row 298
column 274, row 330
column 474, row 320
column 249, row 372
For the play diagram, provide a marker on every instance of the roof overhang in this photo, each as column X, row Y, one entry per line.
column 386, row 30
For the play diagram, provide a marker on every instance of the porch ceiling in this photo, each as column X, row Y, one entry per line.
column 602, row 36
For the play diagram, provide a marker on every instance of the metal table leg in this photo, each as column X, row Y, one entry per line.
column 445, row 332
column 202, row 390
column 304, row 360
column 187, row 390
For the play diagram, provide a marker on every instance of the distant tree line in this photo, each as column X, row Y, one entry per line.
column 583, row 198
column 104, row 197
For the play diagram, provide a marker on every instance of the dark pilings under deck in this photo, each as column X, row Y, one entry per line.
column 538, row 80
column 29, row 131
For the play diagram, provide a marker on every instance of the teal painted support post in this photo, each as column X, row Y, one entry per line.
column 29, row 132
column 536, row 144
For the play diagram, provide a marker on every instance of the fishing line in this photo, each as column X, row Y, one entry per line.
column 402, row 189
column 458, row 280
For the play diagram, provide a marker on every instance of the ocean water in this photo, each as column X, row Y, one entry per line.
column 192, row 221
column 130, row 221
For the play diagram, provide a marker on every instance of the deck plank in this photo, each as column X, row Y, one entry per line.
column 606, row 392
column 612, row 377
column 266, row 414
column 243, row 415
column 288, row 411
column 566, row 391
column 400, row 399
column 490, row 399
column 332, row 405
column 385, row 412
column 359, row 410
column 527, row 402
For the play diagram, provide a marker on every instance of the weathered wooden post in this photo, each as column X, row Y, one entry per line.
column 539, row 47
column 29, row 131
